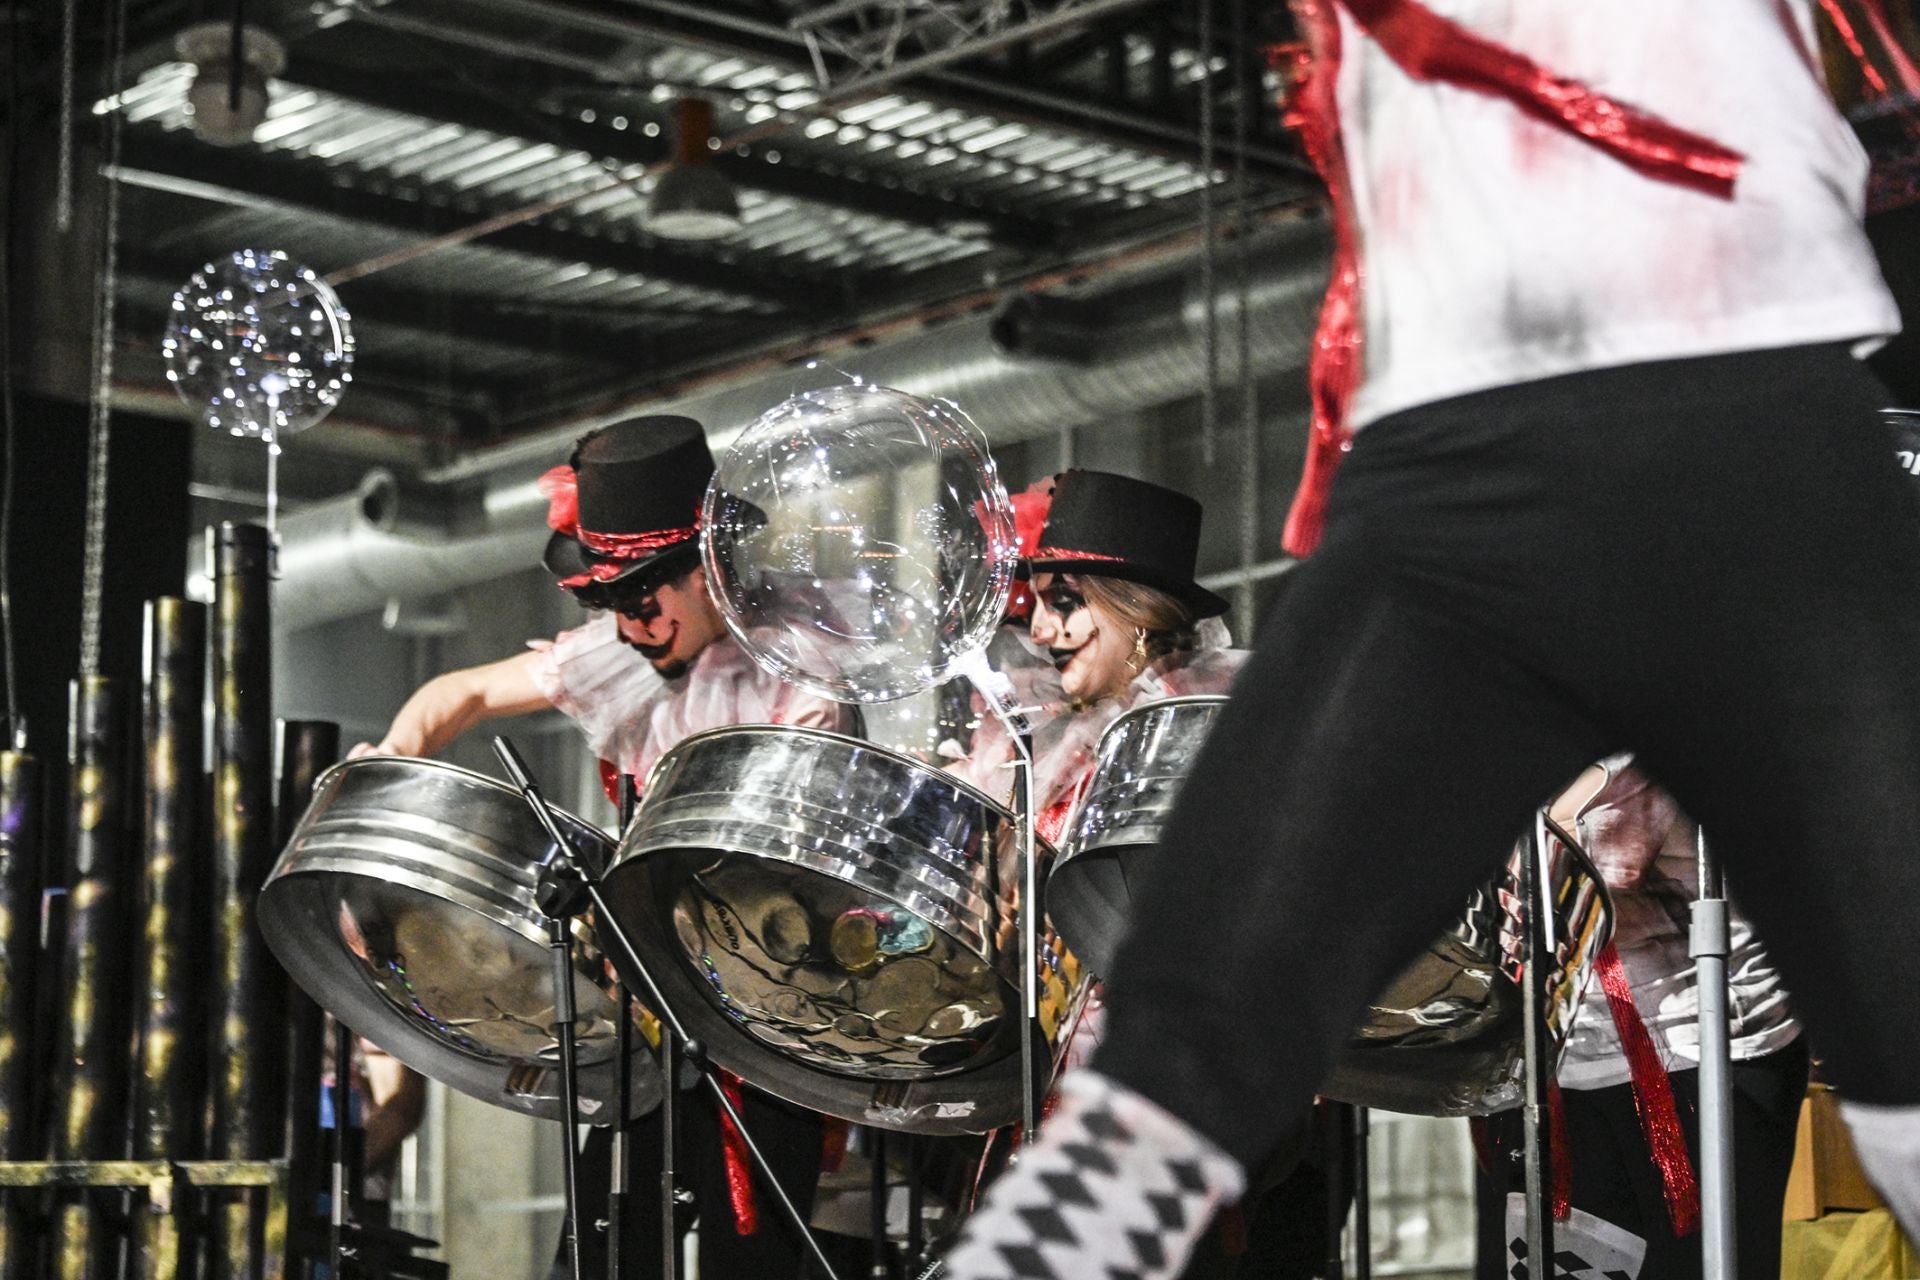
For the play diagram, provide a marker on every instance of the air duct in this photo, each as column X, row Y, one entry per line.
column 352, row 555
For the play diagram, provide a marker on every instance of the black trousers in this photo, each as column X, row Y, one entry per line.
column 1614, row 1175
column 1714, row 562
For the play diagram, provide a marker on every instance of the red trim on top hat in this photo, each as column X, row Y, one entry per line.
column 1061, row 553
column 632, row 546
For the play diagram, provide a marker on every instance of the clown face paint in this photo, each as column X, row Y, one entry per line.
column 670, row 625
column 1092, row 649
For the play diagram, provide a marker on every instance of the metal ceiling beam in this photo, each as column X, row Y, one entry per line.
column 495, row 115
column 245, row 177
column 713, row 27
column 452, row 316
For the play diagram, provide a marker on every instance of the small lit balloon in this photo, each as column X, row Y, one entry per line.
column 859, row 543
column 258, row 345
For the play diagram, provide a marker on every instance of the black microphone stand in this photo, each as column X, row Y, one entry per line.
column 563, row 882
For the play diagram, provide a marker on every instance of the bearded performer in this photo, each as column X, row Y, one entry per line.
column 1615, row 480
column 1626, row 1137
column 654, row 665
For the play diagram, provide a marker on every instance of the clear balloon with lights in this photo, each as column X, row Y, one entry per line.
column 859, row 543
column 259, row 346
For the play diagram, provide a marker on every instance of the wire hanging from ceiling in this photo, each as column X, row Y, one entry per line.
column 100, row 404
column 1242, row 46
column 16, row 727
column 1210, row 329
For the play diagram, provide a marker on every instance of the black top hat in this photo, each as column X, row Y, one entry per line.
column 1112, row 526
column 639, row 485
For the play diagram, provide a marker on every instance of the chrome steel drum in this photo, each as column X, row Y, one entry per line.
column 840, row 925
column 1142, row 759
column 404, row 905
column 1445, row 1037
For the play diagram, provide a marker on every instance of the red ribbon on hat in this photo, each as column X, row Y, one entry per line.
column 1434, row 49
column 1062, row 553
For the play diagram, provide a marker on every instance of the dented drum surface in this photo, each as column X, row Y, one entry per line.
column 839, row 924
column 404, row 905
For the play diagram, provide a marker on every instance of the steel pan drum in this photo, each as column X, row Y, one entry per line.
column 839, row 924
column 404, row 905
column 1444, row 1038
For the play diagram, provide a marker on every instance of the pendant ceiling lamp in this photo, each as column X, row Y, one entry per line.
column 692, row 201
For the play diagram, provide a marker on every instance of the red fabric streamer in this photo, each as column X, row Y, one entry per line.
column 1652, row 1097
column 1903, row 66
column 1429, row 47
column 746, row 1214
column 1333, row 368
column 1557, row 1145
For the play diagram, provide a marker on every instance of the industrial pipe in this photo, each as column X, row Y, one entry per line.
column 339, row 559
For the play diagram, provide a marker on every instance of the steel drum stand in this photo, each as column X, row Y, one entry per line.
column 1709, row 944
column 1536, row 997
column 997, row 690
column 567, row 882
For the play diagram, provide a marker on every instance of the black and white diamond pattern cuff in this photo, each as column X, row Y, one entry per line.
column 1116, row 1189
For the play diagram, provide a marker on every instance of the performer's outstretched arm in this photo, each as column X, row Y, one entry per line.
column 448, row 705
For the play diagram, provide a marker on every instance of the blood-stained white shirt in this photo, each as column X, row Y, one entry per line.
column 1647, row 851
column 632, row 716
column 1497, row 249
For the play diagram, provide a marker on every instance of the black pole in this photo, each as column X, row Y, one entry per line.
column 249, row 1033
column 172, row 733
column 877, row 1208
column 623, row 1085
column 20, row 836
column 21, row 831
column 91, row 1071
column 307, row 749
column 337, row 1207
column 1536, row 997
column 1362, row 1198
column 560, row 946
column 1332, row 1122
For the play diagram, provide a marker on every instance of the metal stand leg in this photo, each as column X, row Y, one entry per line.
column 877, row 1216
column 1331, row 1121
column 669, row 1122
column 566, row 869
column 560, row 944
column 1709, row 946
column 1536, row 992
column 617, row 1172
column 337, row 1248
column 1362, row 1199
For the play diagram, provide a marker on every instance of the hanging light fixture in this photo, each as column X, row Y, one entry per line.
column 691, row 201
column 232, row 64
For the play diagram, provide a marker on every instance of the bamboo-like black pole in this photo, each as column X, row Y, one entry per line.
column 176, row 637
column 307, row 748
column 171, row 1007
column 249, row 1037
column 92, row 1069
column 20, row 843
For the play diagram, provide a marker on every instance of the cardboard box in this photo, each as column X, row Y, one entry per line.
column 1826, row 1174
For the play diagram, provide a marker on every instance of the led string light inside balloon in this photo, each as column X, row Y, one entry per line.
column 260, row 348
